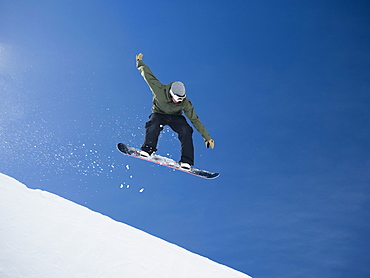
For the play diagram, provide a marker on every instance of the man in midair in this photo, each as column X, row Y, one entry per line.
column 169, row 102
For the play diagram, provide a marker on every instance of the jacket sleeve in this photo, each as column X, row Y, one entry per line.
column 193, row 117
column 149, row 77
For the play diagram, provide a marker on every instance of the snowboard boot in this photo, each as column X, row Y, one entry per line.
column 146, row 150
column 185, row 166
column 144, row 153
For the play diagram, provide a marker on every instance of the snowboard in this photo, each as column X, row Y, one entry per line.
column 165, row 161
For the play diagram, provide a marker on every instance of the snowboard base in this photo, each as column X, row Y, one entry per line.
column 165, row 161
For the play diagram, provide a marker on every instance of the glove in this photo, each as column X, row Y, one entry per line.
column 210, row 143
column 139, row 56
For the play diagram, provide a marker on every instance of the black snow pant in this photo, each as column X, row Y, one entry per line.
column 178, row 124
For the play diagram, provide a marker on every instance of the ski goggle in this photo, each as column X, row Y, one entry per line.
column 176, row 97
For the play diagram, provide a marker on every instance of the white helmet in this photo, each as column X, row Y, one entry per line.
column 177, row 91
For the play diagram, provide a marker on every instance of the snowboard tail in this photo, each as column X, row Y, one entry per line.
column 165, row 161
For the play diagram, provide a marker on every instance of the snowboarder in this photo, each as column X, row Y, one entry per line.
column 169, row 102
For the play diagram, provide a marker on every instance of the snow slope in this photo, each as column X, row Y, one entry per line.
column 43, row 235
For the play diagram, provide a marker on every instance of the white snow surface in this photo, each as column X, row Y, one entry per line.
column 43, row 235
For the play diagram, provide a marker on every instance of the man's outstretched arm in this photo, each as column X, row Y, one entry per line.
column 147, row 74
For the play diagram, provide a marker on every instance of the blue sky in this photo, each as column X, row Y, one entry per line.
column 282, row 87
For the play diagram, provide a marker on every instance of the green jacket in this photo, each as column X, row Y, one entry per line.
column 162, row 100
